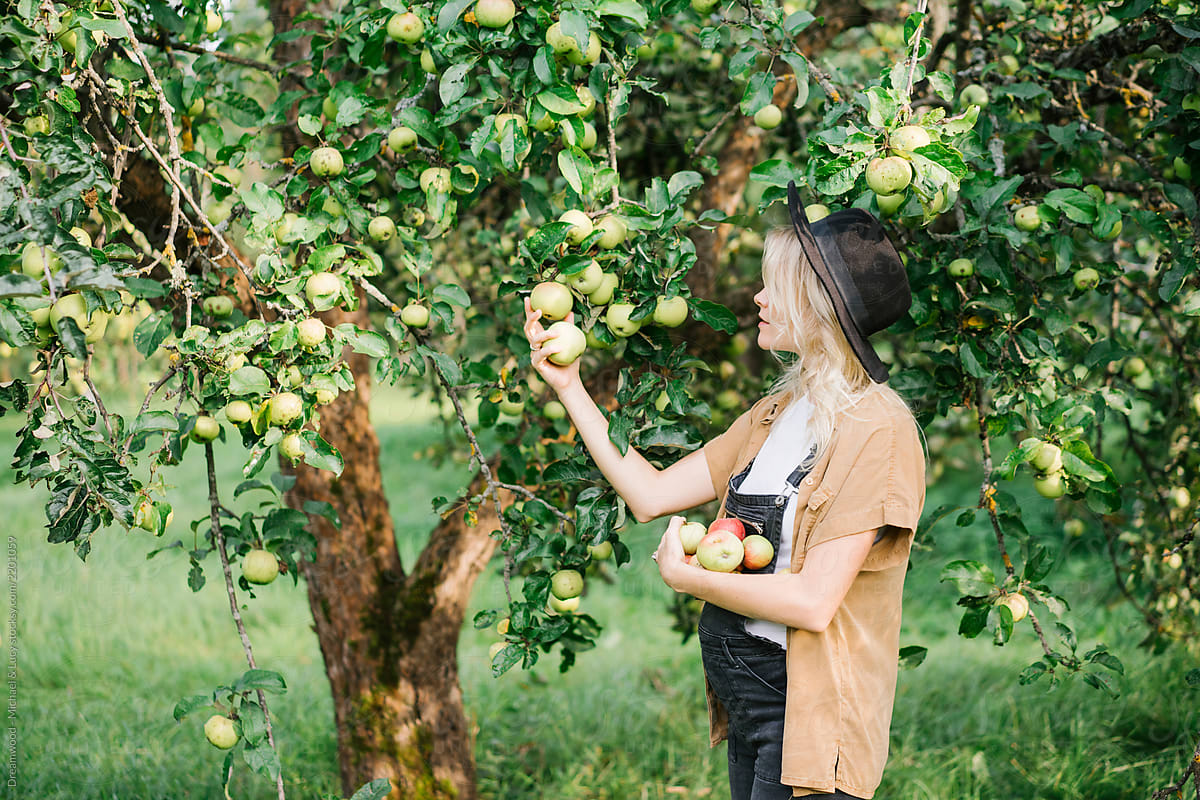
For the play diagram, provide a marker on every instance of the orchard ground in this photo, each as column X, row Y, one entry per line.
column 105, row 648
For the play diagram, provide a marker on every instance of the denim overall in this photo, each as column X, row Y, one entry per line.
column 748, row 673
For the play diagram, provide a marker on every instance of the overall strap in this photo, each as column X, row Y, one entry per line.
column 793, row 480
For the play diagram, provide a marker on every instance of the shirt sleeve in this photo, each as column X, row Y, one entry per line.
column 722, row 452
column 878, row 483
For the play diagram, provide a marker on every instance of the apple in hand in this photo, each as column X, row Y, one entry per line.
column 570, row 341
column 220, row 732
column 731, row 524
column 260, row 566
column 759, row 551
column 690, row 534
column 553, row 299
column 566, row 583
column 720, row 551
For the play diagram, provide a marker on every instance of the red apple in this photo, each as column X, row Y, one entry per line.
column 759, row 551
column 690, row 535
column 721, row 551
column 731, row 524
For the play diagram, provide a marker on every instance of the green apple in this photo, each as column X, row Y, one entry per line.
column 566, row 583
column 407, row 28
column 218, row 211
column 908, row 138
column 212, row 21
column 310, row 332
column 261, row 566
column 329, row 108
column 206, row 429
column 381, row 228
column 332, row 207
column 402, row 138
column 81, row 236
column 283, row 228
column 602, row 551
column 587, row 99
column 704, row 6
column 1181, row 497
column 581, row 225
column 1074, row 527
column 889, row 204
column 289, row 448
column 219, row 730
column 564, row 606
column 586, row 141
column 560, row 42
column 816, row 211
column 603, row 294
column 415, row 315
column 662, row 401
column 1026, row 218
column 1046, row 458
column 1009, row 65
column 1191, row 102
column 69, row 305
column 435, row 178
column 428, row 66
column 219, row 306
column 323, row 289
column 961, row 268
column 238, row 412
column 1050, row 486
column 325, row 396
column 594, row 342
column 973, row 95
column 588, row 279
column 569, row 340
column 613, row 232
column 196, row 108
column 32, row 263
column 670, row 312
column 284, row 408
column 553, row 299
column 1086, row 278
column 326, row 162
column 1133, row 367
column 768, row 117
column 494, row 13
column 589, row 56
column 554, row 410
column 1183, row 170
column 889, row 175
column 414, row 217
column 617, row 318
column 501, row 120
column 38, row 125
column 1017, row 604
column 513, row 408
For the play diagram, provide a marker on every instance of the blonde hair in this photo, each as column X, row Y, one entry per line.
column 825, row 369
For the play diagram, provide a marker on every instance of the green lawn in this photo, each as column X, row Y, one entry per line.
column 106, row 648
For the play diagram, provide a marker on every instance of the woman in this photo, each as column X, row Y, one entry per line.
column 800, row 658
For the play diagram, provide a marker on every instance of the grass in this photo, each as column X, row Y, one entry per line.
column 107, row 647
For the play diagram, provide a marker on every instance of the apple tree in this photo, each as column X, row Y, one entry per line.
column 296, row 200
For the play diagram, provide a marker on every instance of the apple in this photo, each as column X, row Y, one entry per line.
column 427, row 63
column 206, row 429
column 466, row 174
column 494, row 13
column 617, row 318
column 284, row 408
column 219, row 730
column 570, row 340
column 325, row 396
column 1009, row 65
column 670, row 312
column 503, row 625
column 588, row 279
column 603, row 294
column 414, row 217
column 322, row 289
column 235, row 362
column 1181, row 497
column 587, row 99
column 888, row 175
column 553, row 299
column 415, row 315
column 566, row 583
column 310, row 332
column 1086, row 278
column 759, row 551
column 1046, row 458
column 145, row 517
column 283, row 228
column 1133, row 367
column 402, row 138
column 218, row 211
column 908, row 138
column 586, row 141
column 1017, row 604
column 1026, row 218
column 554, row 410
column 768, row 117
column 560, row 42
column 381, row 228
column 74, row 306
column 961, row 268
column 602, row 551
column 407, row 28
column 238, row 412
column 1050, row 486
column 326, row 162
column 974, row 95
column 731, row 524
column 816, row 211
column 690, row 534
column 196, row 108
column 564, row 606
column 1183, row 170
column 513, row 408
column 704, row 6
column 212, row 21
column 436, row 178
column 32, row 263
column 613, row 232
column 261, row 566
column 1074, row 527
column 289, row 448
column 581, row 225
column 1174, row 561
column 721, row 551
column 589, row 56
column 501, row 120
column 219, row 306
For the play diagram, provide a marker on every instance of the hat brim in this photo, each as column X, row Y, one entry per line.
column 833, row 284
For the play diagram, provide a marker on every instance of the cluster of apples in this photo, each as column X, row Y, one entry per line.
column 724, row 546
column 1049, row 480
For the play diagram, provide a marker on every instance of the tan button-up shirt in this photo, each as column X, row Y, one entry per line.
column 842, row 681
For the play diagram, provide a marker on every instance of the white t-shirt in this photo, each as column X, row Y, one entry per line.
column 787, row 444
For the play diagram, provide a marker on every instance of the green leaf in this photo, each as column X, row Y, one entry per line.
column 799, row 65
column 450, row 12
column 262, row 759
column 838, row 176
column 560, row 100
column 576, row 169
column 368, row 343
column 1079, row 206
column 265, row 679
column 375, row 790
column 681, row 184
column 249, row 380
column 453, row 82
column 759, row 90
column 912, row 656
column 629, row 9
column 154, row 421
column 189, row 704
column 240, row 109
column 452, row 294
column 714, row 315
column 971, row 578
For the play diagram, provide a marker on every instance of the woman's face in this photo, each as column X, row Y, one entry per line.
column 770, row 328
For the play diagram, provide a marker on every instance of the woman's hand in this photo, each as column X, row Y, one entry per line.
column 557, row 378
column 670, row 555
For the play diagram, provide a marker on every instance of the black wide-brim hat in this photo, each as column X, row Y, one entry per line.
column 858, row 265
